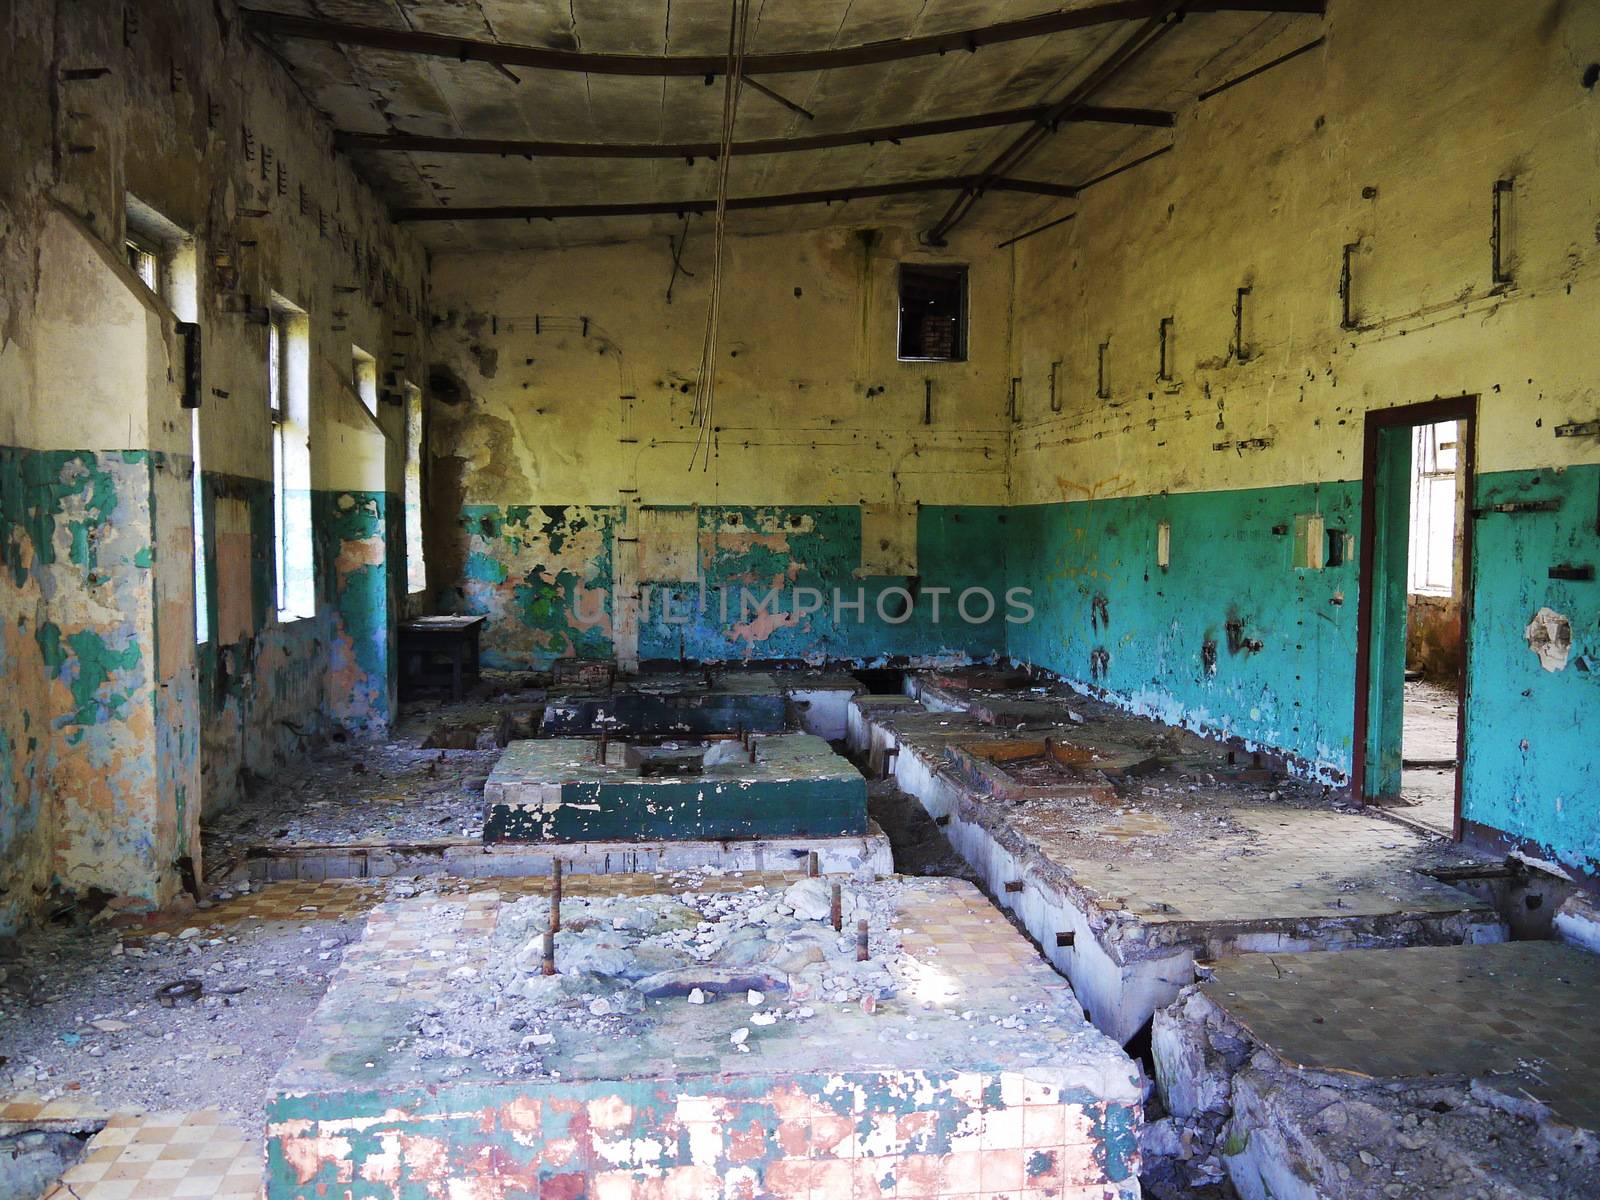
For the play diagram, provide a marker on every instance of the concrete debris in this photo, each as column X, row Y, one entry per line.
column 1232, row 1107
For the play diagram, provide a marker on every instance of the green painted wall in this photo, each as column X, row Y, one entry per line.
column 1111, row 620
column 81, row 795
column 1531, row 769
column 1230, row 638
column 545, row 578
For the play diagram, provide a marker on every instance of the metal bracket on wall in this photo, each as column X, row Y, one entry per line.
column 1513, row 507
column 1501, row 273
column 1241, row 352
column 1574, row 572
column 1347, row 318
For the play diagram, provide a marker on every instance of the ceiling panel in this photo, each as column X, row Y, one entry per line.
column 368, row 90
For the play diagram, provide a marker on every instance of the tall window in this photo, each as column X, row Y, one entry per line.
column 163, row 255
column 933, row 313
column 289, row 403
column 364, row 377
column 416, row 568
column 1434, row 509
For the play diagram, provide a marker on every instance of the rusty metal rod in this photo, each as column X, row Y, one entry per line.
column 812, row 864
column 534, row 148
column 555, row 896
column 862, row 953
column 645, row 208
column 836, row 907
column 436, row 45
column 549, row 964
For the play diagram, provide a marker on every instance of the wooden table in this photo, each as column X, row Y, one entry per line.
column 426, row 640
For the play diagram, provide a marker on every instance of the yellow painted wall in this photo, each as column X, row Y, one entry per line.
column 1426, row 104
column 811, row 404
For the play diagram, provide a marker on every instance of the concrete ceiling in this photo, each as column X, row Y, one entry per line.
column 367, row 90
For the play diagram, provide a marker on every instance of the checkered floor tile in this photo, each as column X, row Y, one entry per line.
column 1527, row 1008
column 154, row 1156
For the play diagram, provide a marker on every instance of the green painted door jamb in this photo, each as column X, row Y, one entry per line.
column 1391, row 518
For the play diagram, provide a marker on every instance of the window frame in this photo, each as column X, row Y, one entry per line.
column 962, row 274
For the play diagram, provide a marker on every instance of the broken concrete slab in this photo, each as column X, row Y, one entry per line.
column 1125, row 897
column 951, row 1060
column 471, row 858
column 1425, row 1071
column 783, row 785
column 1577, row 922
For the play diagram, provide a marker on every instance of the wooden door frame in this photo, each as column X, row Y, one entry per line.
column 1430, row 412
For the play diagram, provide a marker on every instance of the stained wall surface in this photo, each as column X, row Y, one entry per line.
column 578, row 502
column 1388, row 139
column 122, row 726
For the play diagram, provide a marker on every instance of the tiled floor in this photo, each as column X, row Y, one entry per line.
column 1430, row 742
column 154, row 1156
column 1525, row 1009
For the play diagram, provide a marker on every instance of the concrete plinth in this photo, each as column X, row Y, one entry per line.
column 1125, row 891
column 784, row 785
column 952, row 1063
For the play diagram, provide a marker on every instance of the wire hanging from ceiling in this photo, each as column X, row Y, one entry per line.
column 705, row 388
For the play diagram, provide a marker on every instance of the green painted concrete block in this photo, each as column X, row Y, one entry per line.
column 558, row 790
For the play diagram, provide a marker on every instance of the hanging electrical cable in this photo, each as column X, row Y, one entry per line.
column 706, row 382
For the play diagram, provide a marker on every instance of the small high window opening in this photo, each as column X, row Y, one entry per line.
column 145, row 262
column 364, row 377
column 289, row 407
column 933, row 313
column 416, row 567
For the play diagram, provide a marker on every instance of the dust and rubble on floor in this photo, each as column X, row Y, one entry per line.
column 1054, row 803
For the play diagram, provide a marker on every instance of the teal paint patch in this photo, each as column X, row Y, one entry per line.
column 1230, row 639
column 811, row 555
column 49, row 493
column 103, row 680
column 1531, row 770
column 543, row 577
column 354, row 532
column 553, row 1139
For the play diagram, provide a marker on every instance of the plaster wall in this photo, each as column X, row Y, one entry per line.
column 1388, row 139
column 565, row 472
column 125, row 727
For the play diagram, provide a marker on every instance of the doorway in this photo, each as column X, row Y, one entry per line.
column 1415, row 611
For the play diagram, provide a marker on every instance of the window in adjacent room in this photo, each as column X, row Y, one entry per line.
column 933, row 313
column 289, row 403
column 416, row 568
column 364, row 377
column 1435, row 509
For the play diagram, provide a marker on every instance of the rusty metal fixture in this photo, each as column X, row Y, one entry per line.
column 555, row 895
column 836, row 907
column 179, row 990
column 813, row 865
column 548, row 966
column 862, row 953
